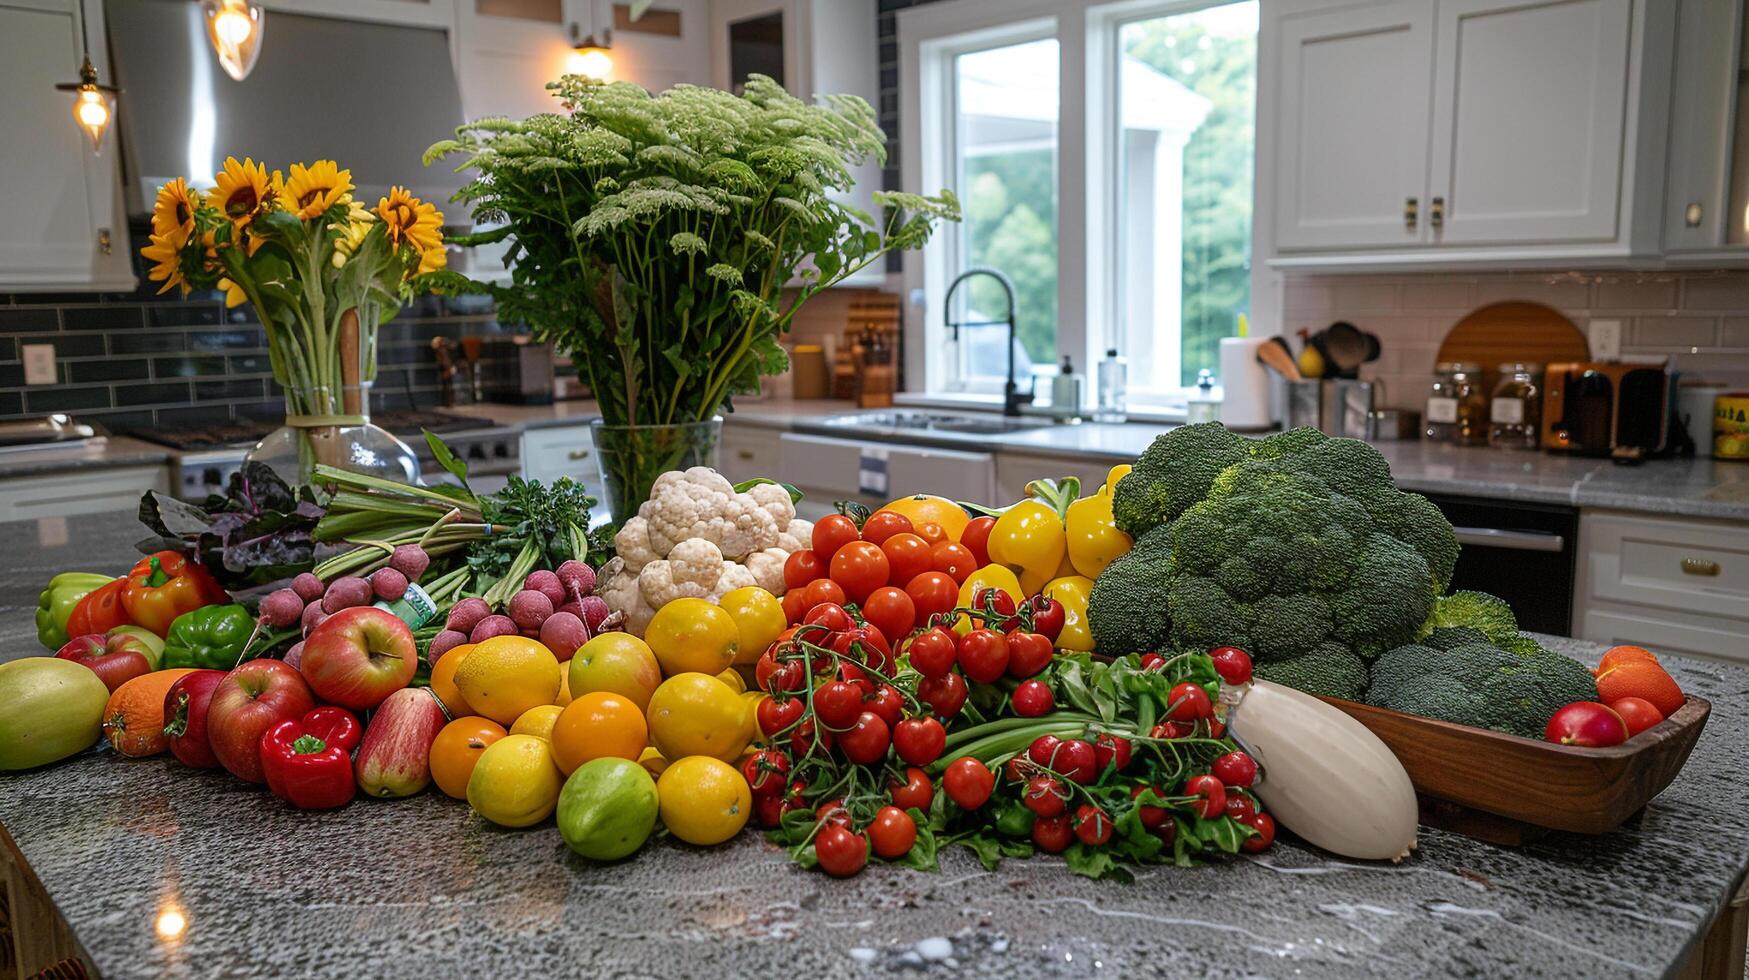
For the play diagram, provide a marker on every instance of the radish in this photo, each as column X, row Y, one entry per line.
column 444, row 642
column 389, row 584
column 281, row 608
column 410, row 560
column 529, row 608
column 547, row 584
column 577, row 578
column 494, row 625
column 466, row 614
column 346, row 592
column 308, row 587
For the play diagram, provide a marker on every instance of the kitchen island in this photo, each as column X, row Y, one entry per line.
column 158, row 870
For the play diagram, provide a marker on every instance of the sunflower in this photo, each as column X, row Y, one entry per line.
column 234, row 295
column 414, row 222
column 316, row 188
column 244, row 190
column 173, row 212
column 166, row 252
column 359, row 220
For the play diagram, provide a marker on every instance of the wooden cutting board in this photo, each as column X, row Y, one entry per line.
column 1505, row 332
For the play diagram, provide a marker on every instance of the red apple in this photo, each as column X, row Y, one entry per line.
column 1587, row 724
column 185, row 715
column 254, row 697
column 359, row 656
column 395, row 757
column 117, row 656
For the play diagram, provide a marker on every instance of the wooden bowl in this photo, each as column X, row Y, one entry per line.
column 1502, row 788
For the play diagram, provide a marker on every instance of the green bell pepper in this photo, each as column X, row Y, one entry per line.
column 55, row 604
column 211, row 636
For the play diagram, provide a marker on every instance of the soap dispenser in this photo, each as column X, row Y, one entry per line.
column 1203, row 406
column 1066, row 390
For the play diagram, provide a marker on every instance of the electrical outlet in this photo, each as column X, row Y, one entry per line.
column 39, row 364
column 1605, row 340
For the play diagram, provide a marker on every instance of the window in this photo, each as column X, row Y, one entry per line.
column 1103, row 155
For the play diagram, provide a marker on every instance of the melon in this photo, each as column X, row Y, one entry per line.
column 53, row 708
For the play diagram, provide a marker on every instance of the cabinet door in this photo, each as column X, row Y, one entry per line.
column 1529, row 109
column 1352, row 126
column 50, row 235
column 1701, row 106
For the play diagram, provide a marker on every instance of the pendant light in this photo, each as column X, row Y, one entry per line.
column 91, row 109
column 234, row 27
column 589, row 55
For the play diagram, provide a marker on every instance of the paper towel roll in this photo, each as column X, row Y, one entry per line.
column 1245, row 384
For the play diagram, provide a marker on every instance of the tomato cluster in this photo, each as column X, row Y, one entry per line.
column 899, row 574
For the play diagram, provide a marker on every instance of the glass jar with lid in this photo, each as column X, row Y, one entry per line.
column 1457, row 406
column 1515, row 411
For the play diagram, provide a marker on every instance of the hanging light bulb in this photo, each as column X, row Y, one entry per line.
column 91, row 109
column 590, row 61
column 234, row 27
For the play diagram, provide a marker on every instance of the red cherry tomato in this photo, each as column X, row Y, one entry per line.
column 1214, row 795
column 889, row 704
column 1234, row 769
column 892, row 832
column 919, row 741
column 1048, row 616
column 832, row 813
column 1240, row 808
column 1637, row 713
column 832, row 532
column 774, row 715
column 968, row 783
column 768, row 810
column 1152, row 661
column 841, row 853
column 1052, row 834
column 795, row 604
column 1033, row 698
column 945, row 695
column 1111, row 749
column 1172, row 729
column 1045, row 796
column 1189, row 703
column 825, row 592
column 1076, row 760
column 1028, row 653
column 954, row 559
column 933, row 652
column 865, row 743
column 802, row 567
column 856, row 677
column 1092, row 825
column 1043, row 750
column 1232, row 663
column 872, row 644
column 916, row 791
column 908, row 556
column 998, row 602
column 932, row 593
column 976, row 538
column 776, row 676
column 983, row 655
column 882, row 525
column 860, row 568
column 892, row 610
column 766, row 772
column 1151, row 816
column 831, row 615
column 1264, row 824
column 837, row 704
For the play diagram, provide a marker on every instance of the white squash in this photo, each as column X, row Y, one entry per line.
column 1324, row 775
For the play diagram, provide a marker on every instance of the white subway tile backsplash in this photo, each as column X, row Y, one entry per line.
column 1668, row 332
column 1724, row 291
column 1438, row 296
column 1565, row 294
column 1734, row 333
column 1633, row 293
column 1361, row 297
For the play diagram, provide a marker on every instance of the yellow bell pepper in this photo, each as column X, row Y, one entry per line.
column 1028, row 538
column 990, row 576
column 1091, row 537
column 1072, row 591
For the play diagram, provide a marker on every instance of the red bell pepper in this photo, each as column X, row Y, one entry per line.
column 166, row 585
column 100, row 611
column 307, row 761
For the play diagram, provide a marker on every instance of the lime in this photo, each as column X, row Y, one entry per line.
column 607, row 808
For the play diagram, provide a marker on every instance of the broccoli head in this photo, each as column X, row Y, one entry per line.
column 1479, row 684
column 1479, row 613
column 1329, row 669
column 1126, row 610
column 1174, row 472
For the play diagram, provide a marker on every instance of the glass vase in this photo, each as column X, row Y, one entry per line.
column 632, row 456
column 348, row 442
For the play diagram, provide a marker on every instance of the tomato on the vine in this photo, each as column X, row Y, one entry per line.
column 856, row 677
column 1052, row 834
column 1235, row 769
column 1046, row 796
column 1033, row 698
column 766, row 772
column 976, row 538
column 1076, row 760
column 1189, row 702
column 837, row 703
column 823, row 592
column 1151, row 815
column 1028, row 653
column 1171, row 729
column 832, row 813
column 933, row 652
column 768, row 810
column 968, row 783
column 933, row 593
column 945, row 695
column 908, row 556
column 1048, row 616
column 887, row 702
column 1092, row 825
column 775, row 715
column 883, row 524
column 892, row 611
column 1264, row 824
column 860, row 568
column 996, row 605
column 865, row 742
column 916, row 791
column 1109, row 749
column 840, row 852
column 795, row 604
column 919, row 741
column 983, row 655
column 892, row 832
column 832, row 532
column 776, row 676
column 1232, row 663
column 1043, row 750
column 806, row 735
column 802, row 567
column 875, row 650
column 831, row 615
column 1214, row 795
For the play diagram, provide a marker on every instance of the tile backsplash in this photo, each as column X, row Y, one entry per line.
column 143, row 360
column 1700, row 319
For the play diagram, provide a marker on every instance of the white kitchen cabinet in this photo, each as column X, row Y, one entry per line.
column 1664, row 583
column 828, row 470
column 1480, row 133
column 1015, row 470
column 64, row 228
column 749, row 452
column 1702, row 111
column 568, row 450
column 76, row 492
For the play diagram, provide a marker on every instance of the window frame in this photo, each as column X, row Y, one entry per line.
column 1089, row 136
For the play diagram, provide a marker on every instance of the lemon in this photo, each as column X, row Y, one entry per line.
column 652, row 760
column 514, row 783
column 537, row 721
column 703, row 800
column 750, row 703
column 733, row 678
column 607, row 809
column 696, row 714
column 691, row 635
column 507, row 675
column 758, row 620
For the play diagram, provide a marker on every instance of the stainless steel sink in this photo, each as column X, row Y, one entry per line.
column 943, row 423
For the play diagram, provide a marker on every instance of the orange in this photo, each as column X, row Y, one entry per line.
column 458, row 746
column 1640, row 679
column 1624, row 655
column 595, row 726
column 133, row 720
column 443, row 680
column 927, row 508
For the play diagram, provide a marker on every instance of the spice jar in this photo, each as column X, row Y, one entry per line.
column 1457, row 407
column 1515, row 411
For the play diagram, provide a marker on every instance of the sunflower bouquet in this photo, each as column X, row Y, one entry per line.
column 322, row 270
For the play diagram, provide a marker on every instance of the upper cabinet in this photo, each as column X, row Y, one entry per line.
column 64, row 228
column 1423, row 133
column 1706, row 206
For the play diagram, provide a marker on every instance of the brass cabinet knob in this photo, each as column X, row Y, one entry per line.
column 1699, row 566
column 576, row 454
column 1436, row 217
column 1411, row 212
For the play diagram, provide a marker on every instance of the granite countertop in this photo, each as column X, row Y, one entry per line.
column 424, row 887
